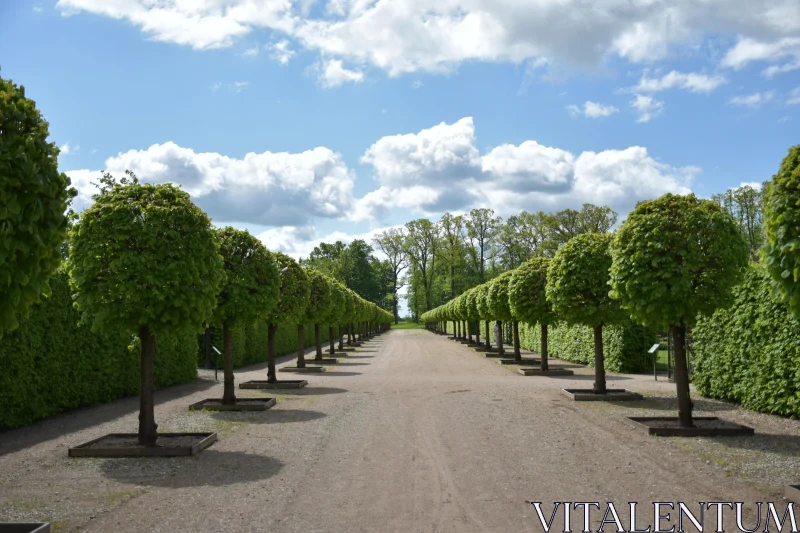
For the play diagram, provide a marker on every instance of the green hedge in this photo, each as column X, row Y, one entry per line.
column 250, row 343
column 625, row 346
column 750, row 353
column 51, row 364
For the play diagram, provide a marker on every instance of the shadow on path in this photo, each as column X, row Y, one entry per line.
column 211, row 468
column 270, row 416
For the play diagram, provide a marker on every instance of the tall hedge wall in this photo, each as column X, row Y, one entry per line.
column 250, row 343
column 50, row 364
column 625, row 346
column 750, row 353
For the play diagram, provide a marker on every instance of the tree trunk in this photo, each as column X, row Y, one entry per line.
column 499, row 339
column 331, row 341
column 543, row 351
column 350, row 334
column 517, row 353
column 148, row 429
column 301, row 348
column 478, row 332
column 488, row 342
column 685, row 404
column 599, row 361
column 229, row 392
column 341, row 337
column 272, row 331
column 318, row 338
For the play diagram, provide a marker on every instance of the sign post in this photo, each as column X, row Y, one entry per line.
column 654, row 350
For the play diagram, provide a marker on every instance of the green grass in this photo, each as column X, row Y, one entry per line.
column 407, row 325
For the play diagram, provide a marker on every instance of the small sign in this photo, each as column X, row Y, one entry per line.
column 215, row 349
column 653, row 349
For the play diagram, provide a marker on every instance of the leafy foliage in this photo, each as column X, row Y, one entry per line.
column 782, row 225
column 319, row 297
column 526, row 292
column 750, row 353
column 252, row 283
column 577, row 281
column 676, row 257
column 144, row 255
column 34, row 198
column 497, row 297
column 624, row 344
column 295, row 291
column 51, row 364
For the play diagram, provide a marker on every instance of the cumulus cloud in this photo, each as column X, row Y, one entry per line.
column 784, row 53
column 251, row 52
column 281, row 51
column 794, row 97
column 688, row 81
column 299, row 242
column 331, row 73
column 405, row 36
column 271, row 189
column 67, row 148
column 752, row 100
column 646, row 107
column 592, row 110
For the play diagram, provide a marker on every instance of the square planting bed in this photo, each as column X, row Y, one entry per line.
column 323, row 361
column 303, row 369
column 495, row 355
column 523, row 361
column 612, row 395
column 549, row 372
column 242, row 404
column 704, row 426
column 31, row 527
column 127, row 445
column 264, row 384
column 792, row 493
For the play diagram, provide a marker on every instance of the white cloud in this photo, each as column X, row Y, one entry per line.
column 37, row 9
column 752, row 184
column 753, row 100
column 299, row 242
column 271, row 189
column 403, row 36
column 794, row 97
column 239, row 86
column 416, row 84
column 689, row 81
column 281, row 52
column 251, row 52
column 592, row 110
column 332, row 73
column 647, row 107
column 67, row 148
column 216, row 85
column 785, row 52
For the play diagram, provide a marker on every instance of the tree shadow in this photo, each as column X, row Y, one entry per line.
column 588, row 377
column 75, row 420
column 340, row 364
column 271, row 416
column 312, row 391
column 331, row 374
column 368, row 351
column 210, row 468
column 670, row 403
column 360, row 356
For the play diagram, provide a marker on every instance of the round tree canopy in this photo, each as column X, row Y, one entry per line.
column 577, row 281
column 526, row 292
column 497, row 297
column 676, row 257
column 252, row 283
column 782, row 227
column 337, row 303
column 481, row 293
column 33, row 201
column 145, row 255
column 294, row 293
column 320, row 297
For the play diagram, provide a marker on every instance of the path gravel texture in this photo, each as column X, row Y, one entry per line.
column 409, row 433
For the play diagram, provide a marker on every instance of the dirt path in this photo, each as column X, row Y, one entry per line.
column 413, row 433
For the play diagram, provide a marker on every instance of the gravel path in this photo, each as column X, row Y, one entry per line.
column 410, row 433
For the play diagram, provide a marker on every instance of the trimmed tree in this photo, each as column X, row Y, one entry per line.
column 250, row 291
column 336, row 308
column 483, row 309
column 291, row 308
column 316, row 312
column 577, row 287
column 34, row 198
column 145, row 259
column 497, row 302
column 782, row 227
column 527, row 298
column 675, row 258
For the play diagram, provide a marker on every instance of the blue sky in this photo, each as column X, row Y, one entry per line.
column 363, row 114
